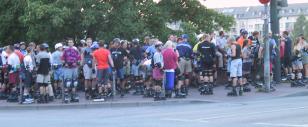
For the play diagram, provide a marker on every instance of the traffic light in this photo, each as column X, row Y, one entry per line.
column 282, row 3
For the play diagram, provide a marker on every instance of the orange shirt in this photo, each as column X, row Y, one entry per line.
column 241, row 40
column 101, row 57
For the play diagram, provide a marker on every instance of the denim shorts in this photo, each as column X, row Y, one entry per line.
column 58, row 74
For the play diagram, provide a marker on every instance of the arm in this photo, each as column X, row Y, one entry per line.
column 110, row 60
column 233, row 51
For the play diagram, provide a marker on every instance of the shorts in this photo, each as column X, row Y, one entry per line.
column 247, row 67
column 127, row 69
column 87, row 72
column 29, row 79
column 43, row 79
column 157, row 74
column 70, row 73
column 58, row 74
column 135, row 70
column 287, row 61
column 207, row 65
column 297, row 64
column 185, row 66
column 236, row 68
column 120, row 73
column 102, row 76
column 14, row 78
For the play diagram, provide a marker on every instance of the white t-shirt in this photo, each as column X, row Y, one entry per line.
column 13, row 60
column 28, row 62
column 4, row 57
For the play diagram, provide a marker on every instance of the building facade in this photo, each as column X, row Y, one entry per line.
column 252, row 18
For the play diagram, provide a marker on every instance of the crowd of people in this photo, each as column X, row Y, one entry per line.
column 32, row 73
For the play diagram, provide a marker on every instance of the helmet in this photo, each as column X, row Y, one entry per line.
column 95, row 45
column 58, row 45
column 243, row 32
column 116, row 40
column 45, row 45
column 136, row 41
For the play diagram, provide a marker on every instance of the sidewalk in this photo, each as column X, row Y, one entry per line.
column 282, row 90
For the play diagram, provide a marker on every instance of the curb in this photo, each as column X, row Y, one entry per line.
column 101, row 105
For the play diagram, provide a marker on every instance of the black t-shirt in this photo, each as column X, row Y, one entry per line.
column 135, row 53
column 118, row 55
column 288, row 47
column 207, row 51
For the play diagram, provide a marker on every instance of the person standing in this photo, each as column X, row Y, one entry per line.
column 119, row 55
column 71, row 59
column 170, row 64
column 101, row 59
column 89, row 71
column 43, row 73
column 13, row 63
column 287, row 54
column 236, row 68
column 57, row 67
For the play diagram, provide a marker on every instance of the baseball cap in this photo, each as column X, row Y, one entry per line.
column 185, row 36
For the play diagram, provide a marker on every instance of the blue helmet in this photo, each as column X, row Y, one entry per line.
column 95, row 45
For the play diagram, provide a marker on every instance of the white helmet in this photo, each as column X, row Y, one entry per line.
column 58, row 45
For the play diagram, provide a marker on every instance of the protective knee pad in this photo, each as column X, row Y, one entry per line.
column 68, row 83
column 75, row 83
column 299, row 75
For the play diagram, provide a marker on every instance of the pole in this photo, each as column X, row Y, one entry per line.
column 266, row 51
column 275, row 34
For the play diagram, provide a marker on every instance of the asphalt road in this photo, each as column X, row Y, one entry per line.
column 279, row 112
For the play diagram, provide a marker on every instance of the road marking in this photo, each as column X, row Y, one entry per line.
column 282, row 125
column 184, row 120
column 252, row 113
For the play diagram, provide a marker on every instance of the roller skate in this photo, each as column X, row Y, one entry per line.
column 246, row 88
column 74, row 98
column 149, row 93
column 158, row 97
column 58, row 93
column 66, row 98
column 13, row 97
column 179, row 94
column 232, row 93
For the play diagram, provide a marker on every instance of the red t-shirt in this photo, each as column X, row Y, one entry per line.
column 101, row 57
column 170, row 59
column 20, row 55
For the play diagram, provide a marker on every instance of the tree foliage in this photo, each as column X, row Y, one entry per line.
column 300, row 27
column 54, row 20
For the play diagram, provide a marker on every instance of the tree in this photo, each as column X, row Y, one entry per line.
column 11, row 29
column 300, row 26
column 54, row 20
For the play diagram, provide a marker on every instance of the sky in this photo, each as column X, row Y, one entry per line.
column 239, row 3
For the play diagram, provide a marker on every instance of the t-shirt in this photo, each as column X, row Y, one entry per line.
column 28, row 62
column 135, row 53
column 87, row 55
column 207, row 50
column 246, row 52
column 71, row 56
column 170, row 59
column 288, row 47
column 184, row 49
column 43, row 60
column 20, row 55
column 56, row 58
column 241, row 40
column 118, row 55
column 101, row 57
column 221, row 42
column 150, row 51
column 14, row 61
column 158, row 58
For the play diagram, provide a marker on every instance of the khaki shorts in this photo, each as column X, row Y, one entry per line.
column 42, row 78
column 87, row 72
column 185, row 66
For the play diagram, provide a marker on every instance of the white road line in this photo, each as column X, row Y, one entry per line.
column 282, row 125
column 246, row 114
column 184, row 120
